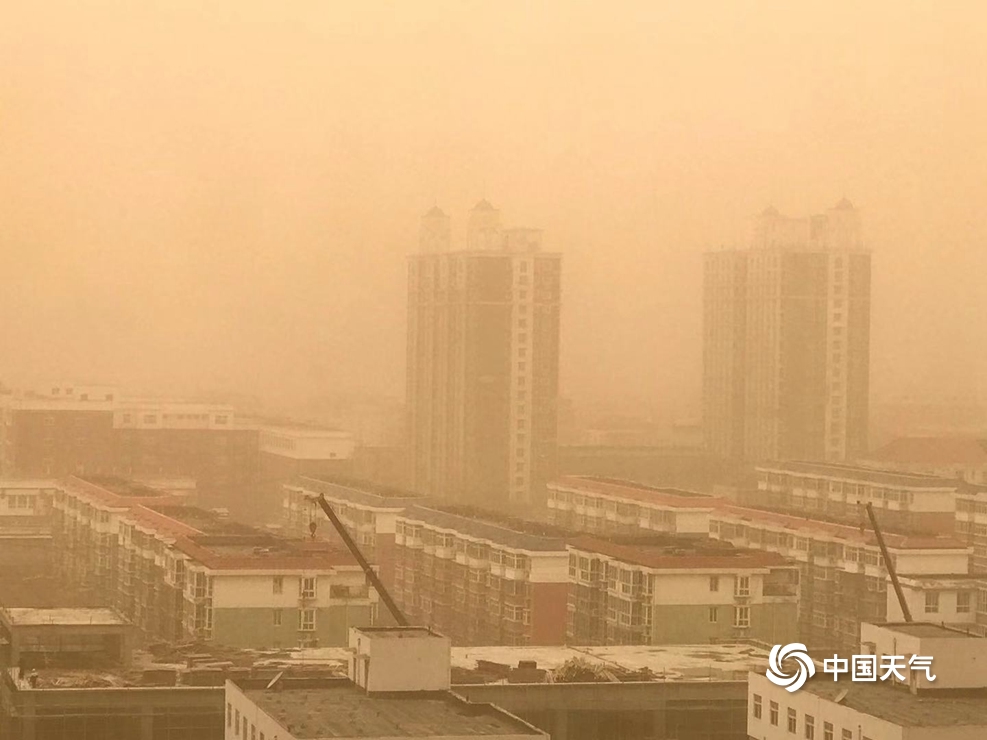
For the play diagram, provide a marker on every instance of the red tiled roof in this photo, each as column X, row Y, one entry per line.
column 843, row 531
column 637, row 492
column 933, row 451
column 665, row 558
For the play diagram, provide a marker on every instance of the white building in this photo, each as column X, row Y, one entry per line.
column 952, row 707
column 608, row 506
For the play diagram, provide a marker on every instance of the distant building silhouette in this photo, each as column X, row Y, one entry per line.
column 787, row 340
column 483, row 361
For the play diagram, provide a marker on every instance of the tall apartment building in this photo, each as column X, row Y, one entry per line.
column 843, row 579
column 668, row 591
column 481, row 582
column 903, row 502
column 786, row 341
column 178, row 572
column 483, row 362
column 608, row 506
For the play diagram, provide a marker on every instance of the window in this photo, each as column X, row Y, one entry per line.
column 932, row 603
column 229, row 714
column 278, row 584
column 253, row 731
column 742, row 616
column 150, row 418
column 236, row 725
column 847, row 734
column 827, row 731
column 307, row 587
column 306, row 620
column 962, row 602
column 714, row 583
column 714, row 615
column 757, row 706
column 277, row 617
column 774, row 713
column 743, row 586
column 810, row 727
column 793, row 720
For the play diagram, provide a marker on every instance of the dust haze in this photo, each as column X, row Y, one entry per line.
column 224, row 196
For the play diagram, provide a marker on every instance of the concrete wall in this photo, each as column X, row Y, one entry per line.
column 255, row 628
column 684, row 624
column 624, row 711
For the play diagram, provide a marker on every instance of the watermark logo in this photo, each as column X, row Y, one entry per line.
column 860, row 667
column 796, row 652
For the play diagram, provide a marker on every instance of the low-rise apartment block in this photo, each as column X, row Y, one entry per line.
column 479, row 581
column 368, row 511
column 666, row 591
column 179, row 572
column 843, row 580
column 609, row 506
column 971, row 525
column 904, row 502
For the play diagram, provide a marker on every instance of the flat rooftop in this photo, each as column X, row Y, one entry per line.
column 617, row 488
column 687, row 553
column 895, row 704
column 492, row 527
column 22, row 617
column 346, row 711
column 928, row 629
column 357, row 491
column 680, row 663
column 398, row 632
column 820, row 527
column 858, row 473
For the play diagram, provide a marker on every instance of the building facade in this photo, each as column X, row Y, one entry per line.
column 608, row 506
column 92, row 430
column 828, row 707
column 369, row 512
column 903, row 502
column 178, row 572
column 787, row 341
column 674, row 593
column 843, row 579
column 480, row 582
column 483, row 362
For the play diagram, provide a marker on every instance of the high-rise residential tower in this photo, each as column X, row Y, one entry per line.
column 787, row 340
column 483, row 361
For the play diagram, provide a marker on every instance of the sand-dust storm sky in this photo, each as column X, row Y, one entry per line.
column 222, row 194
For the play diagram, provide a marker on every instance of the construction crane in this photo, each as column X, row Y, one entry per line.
column 888, row 564
column 392, row 607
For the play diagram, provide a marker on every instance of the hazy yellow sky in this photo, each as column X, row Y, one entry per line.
column 223, row 196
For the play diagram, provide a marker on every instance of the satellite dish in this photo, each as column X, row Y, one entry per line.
column 839, row 697
column 278, row 678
